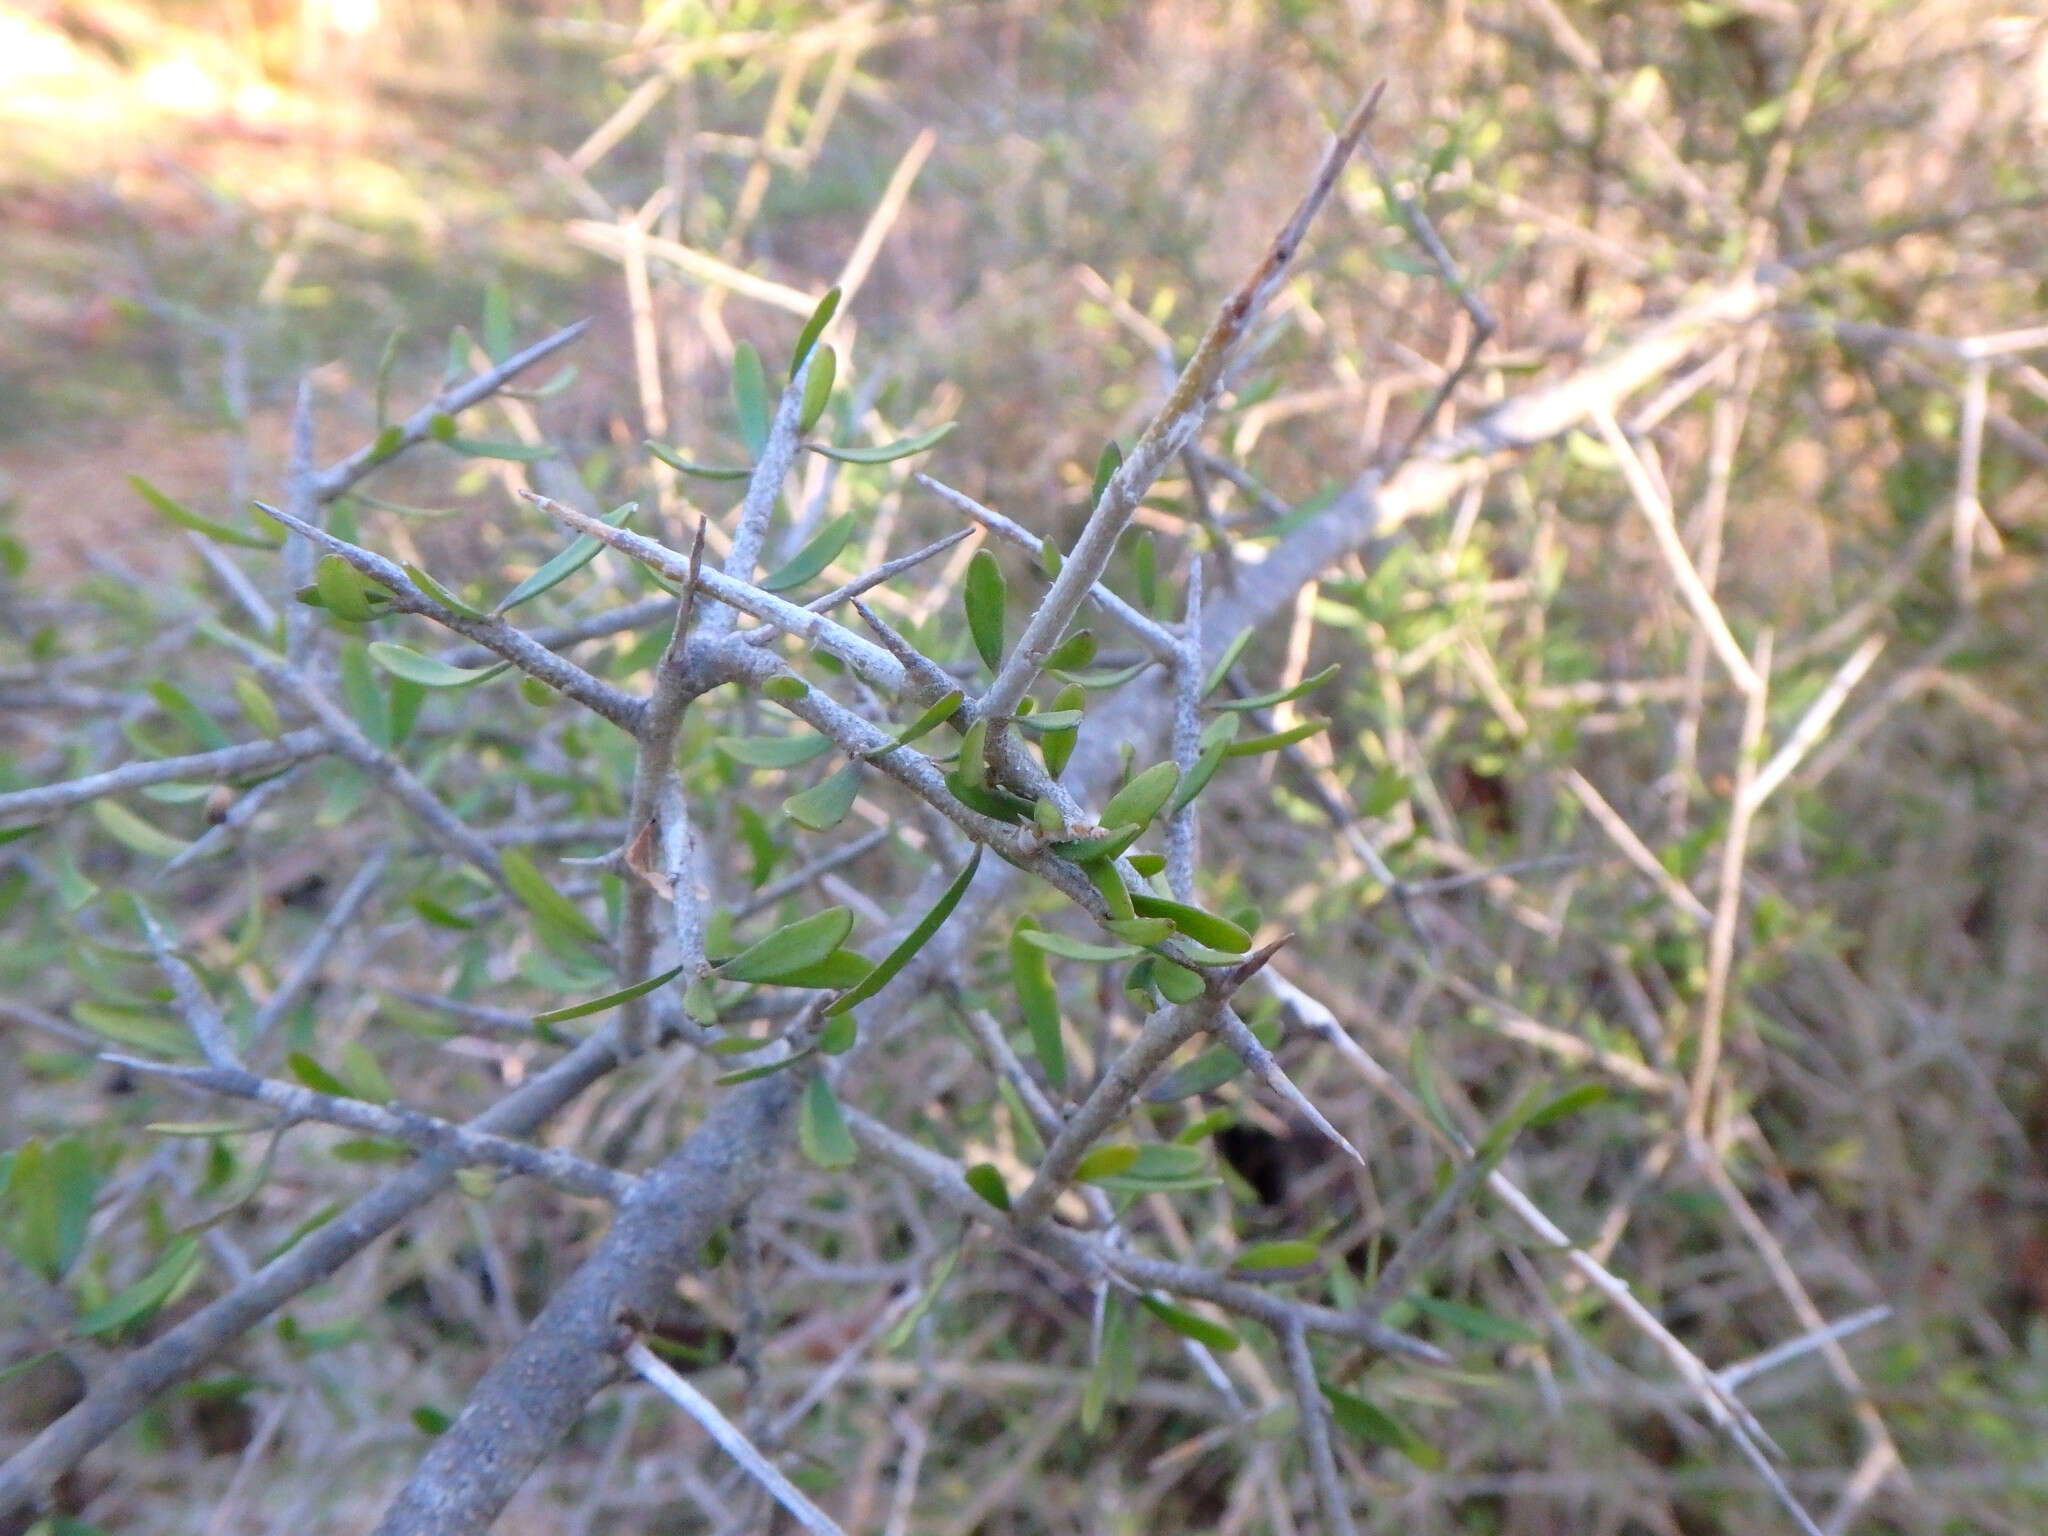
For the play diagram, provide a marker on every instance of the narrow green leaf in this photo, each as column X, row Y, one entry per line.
column 837, row 971
column 750, row 397
column 1142, row 798
column 1038, row 1000
column 1206, row 1073
column 136, row 1027
column 497, row 322
column 1356, row 1417
column 1284, row 1253
column 1092, row 850
column 1191, row 1325
column 548, row 905
column 1143, row 931
column 581, row 551
column 359, row 691
column 1226, row 661
column 1145, row 572
column 1474, row 1323
column 752, row 1074
column 1115, row 1362
column 821, row 1129
column 1075, row 949
column 1215, row 748
column 133, row 833
column 1107, row 463
column 904, row 1326
column 1116, row 897
column 1176, row 983
column 365, row 1079
column 791, row 947
column 181, row 1261
column 385, row 363
column 986, row 1182
column 1049, row 559
column 1203, row 927
column 913, row 941
column 825, row 804
column 1570, row 1102
column 402, row 661
column 817, row 389
column 257, row 705
column 814, row 327
column 441, row 594
column 1277, row 739
column 609, row 1000
column 510, row 453
column 1105, row 1162
column 174, row 512
column 819, row 551
column 785, row 690
column 341, row 590
column 903, row 448
column 682, row 465
column 201, row 726
column 1282, row 695
column 772, row 751
column 1424, row 1076
column 838, row 1035
column 1388, row 789
column 316, row 1077
column 972, row 768
column 985, row 596
column 997, row 804
column 936, row 715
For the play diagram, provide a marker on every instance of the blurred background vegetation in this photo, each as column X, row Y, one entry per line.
column 202, row 202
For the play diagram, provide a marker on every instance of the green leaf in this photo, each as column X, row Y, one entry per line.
column 1191, row 1325
column 1075, row 949
column 838, row 970
column 1162, row 1166
column 430, row 1421
column 1277, row 739
column 1206, row 1073
column 1093, row 850
column 1145, row 572
column 180, row 1263
column 316, row 1077
column 972, row 766
column 838, row 1035
column 1203, row 927
column 750, row 397
column 985, row 596
column 136, row 1027
column 1226, row 661
column 791, row 947
column 821, row 1129
column 1076, row 651
column 1356, row 1417
column 1474, row 1323
column 53, row 1188
column 1284, row 1253
column 497, row 322
column 1282, row 695
column 1107, row 1162
column 341, row 590
column 359, row 691
column 510, row 453
column 819, row 551
column 1049, row 559
column 1107, row 463
column 682, row 465
column 998, row 804
column 1116, row 897
column 904, row 1326
column 772, row 751
column 752, row 1074
column 1115, row 1363
column 933, row 717
column 903, row 448
column 1141, row 799
column 441, row 594
column 365, row 1079
column 1142, row 931
column 201, row 726
column 581, row 551
column 913, row 941
column 1057, row 746
column 1176, row 983
column 184, row 517
column 1424, row 1076
column 609, row 1000
column 401, row 661
column 986, row 1182
column 825, row 804
column 785, row 690
column 548, row 905
column 814, row 327
column 1388, row 789
column 1215, row 747
column 257, row 705
column 133, row 833
column 1570, row 1102
column 817, row 389
column 1038, row 1000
